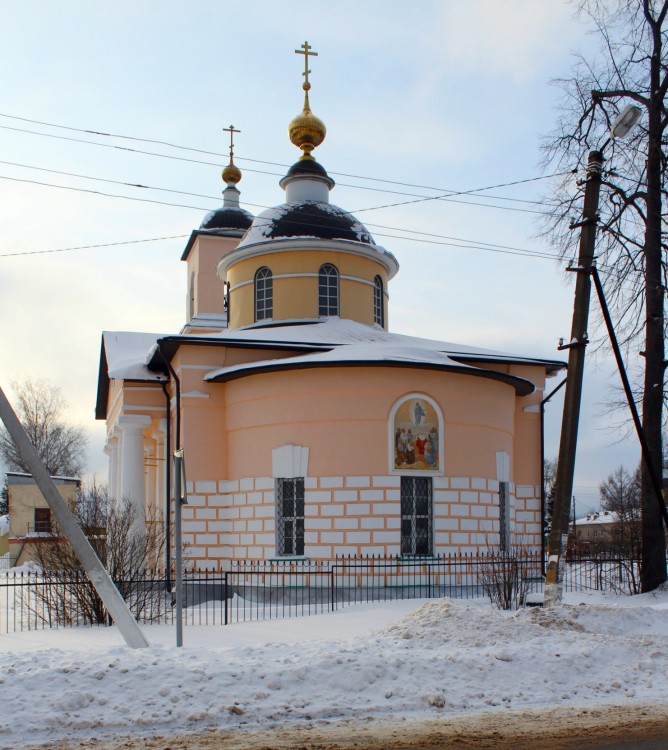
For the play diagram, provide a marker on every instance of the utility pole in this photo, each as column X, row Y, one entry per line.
column 576, row 359
column 95, row 571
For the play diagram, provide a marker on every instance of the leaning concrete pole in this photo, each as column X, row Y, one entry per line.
column 96, row 572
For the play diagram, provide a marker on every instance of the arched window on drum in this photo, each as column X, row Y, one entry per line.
column 264, row 294
column 378, row 307
column 328, row 291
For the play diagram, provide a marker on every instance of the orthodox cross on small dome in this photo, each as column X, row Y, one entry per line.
column 306, row 130
column 231, row 130
column 306, row 51
column 231, row 173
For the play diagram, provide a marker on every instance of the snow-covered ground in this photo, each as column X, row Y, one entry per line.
column 415, row 659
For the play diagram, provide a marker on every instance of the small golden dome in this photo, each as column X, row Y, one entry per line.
column 231, row 174
column 307, row 132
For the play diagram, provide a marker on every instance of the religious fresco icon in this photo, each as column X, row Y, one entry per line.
column 416, row 435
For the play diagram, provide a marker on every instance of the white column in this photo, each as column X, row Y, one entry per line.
column 111, row 449
column 132, row 461
column 159, row 434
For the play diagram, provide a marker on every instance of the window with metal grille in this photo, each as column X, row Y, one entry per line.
column 43, row 520
column 290, row 516
column 264, row 294
column 328, row 291
column 504, row 517
column 378, row 310
column 416, row 502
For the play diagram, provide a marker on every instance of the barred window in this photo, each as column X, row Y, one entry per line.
column 504, row 517
column 264, row 294
column 290, row 516
column 328, row 291
column 378, row 309
column 42, row 521
column 416, row 512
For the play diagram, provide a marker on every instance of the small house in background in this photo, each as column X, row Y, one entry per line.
column 598, row 528
column 30, row 519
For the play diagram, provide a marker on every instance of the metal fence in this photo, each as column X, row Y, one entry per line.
column 260, row 590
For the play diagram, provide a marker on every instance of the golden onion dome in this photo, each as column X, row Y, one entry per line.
column 231, row 174
column 306, row 130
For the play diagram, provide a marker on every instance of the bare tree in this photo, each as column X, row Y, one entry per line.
column 133, row 554
column 41, row 409
column 621, row 494
column 631, row 67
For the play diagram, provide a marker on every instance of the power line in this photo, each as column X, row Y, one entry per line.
column 100, row 192
column 90, row 247
column 459, row 242
column 200, row 195
column 261, row 161
column 472, row 244
column 445, row 196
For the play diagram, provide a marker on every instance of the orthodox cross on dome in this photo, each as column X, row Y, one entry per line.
column 306, row 51
column 306, row 130
column 231, row 130
column 231, row 173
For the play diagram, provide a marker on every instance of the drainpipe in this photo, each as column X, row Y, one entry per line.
column 168, row 487
column 177, row 420
column 543, row 499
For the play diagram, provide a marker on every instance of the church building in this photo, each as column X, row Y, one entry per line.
column 309, row 430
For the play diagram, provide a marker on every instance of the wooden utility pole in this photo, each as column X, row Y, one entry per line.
column 574, row 378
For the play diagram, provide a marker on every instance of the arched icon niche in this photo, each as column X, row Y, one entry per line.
column 416, row 440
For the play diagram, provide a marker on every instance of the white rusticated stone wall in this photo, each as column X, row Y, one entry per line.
column 355, row 515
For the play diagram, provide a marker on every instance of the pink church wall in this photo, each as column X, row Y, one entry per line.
column 352, row 498
column 348, row 434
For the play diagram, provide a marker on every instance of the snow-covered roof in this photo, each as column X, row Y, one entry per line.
column 123, row 355
column 306, row 219
column 23, row 477
column 126, row 354
column 337, row 331
column 388, row 354
column 133, row 356
column 603, row 518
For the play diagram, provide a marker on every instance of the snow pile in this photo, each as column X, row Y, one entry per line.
column 403, row 659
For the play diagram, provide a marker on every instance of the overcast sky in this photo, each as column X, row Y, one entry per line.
column 437, row 95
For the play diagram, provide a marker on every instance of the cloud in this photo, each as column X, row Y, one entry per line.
column 516, row 38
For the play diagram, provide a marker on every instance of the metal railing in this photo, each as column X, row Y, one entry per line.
column 260, row 590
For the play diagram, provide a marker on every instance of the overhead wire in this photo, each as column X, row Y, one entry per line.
column 269, row 163
column 439, row 239
column 472, row 244
column 91, row 247
column 446, row 197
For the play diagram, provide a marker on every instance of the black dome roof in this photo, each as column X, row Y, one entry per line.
column 307, row 219
column 227, row 217
column 308, row 168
